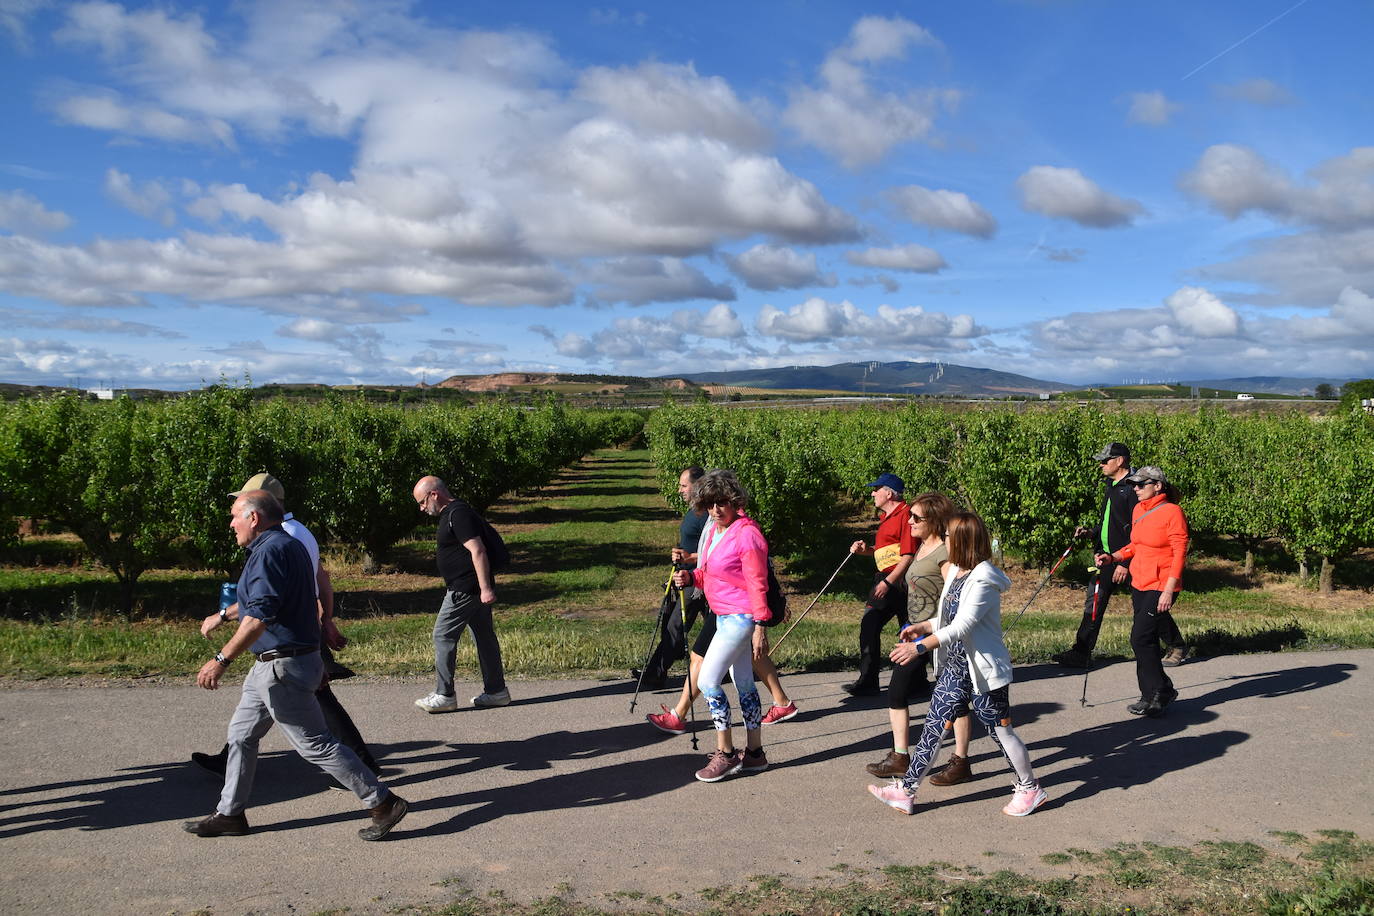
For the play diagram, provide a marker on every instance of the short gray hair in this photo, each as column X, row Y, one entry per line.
column 267, row 506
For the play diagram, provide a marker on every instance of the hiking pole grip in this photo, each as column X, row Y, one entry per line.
column 803, row 614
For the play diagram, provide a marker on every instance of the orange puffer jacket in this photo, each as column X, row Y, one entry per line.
column 1159, row 544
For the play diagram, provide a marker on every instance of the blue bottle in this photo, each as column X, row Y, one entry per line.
column 228, row 594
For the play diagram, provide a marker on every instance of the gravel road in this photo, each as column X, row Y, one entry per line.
column 566, row 791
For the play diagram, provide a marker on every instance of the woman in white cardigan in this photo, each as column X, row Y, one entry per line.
column 974, row 667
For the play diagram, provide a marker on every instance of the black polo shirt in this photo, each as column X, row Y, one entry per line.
column 458, row 524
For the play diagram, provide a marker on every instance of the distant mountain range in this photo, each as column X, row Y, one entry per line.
column 1270, row 384
column 907, row 378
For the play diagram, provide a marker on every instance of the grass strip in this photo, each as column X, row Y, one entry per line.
column 1329, row 874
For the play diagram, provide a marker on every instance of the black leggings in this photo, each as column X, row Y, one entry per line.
column 904, row 677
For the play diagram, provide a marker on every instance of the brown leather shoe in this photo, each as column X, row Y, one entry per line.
column 955, row 772
column 894, row 764
column 385, row 816
column 218, row 825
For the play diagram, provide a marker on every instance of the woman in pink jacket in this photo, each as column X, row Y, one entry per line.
column 732, row 569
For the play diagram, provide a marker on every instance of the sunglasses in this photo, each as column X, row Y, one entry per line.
column 1144, row 483
column 917, row 518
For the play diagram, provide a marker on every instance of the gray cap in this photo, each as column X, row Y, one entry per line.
column 1148, row 474
column 1113, row 450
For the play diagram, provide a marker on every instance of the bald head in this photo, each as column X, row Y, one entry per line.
column 431, row 495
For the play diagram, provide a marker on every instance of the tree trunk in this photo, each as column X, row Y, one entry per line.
column 1249, row 560
column 372, row 563
column 1303, row 571
column 1326, row 586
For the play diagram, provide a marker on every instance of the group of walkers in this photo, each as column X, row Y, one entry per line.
column 933, row 573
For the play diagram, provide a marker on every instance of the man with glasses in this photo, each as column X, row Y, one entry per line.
column 1109, row 536
column 466, row 569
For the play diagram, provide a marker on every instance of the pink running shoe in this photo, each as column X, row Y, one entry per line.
column 1024, row 801
column 720, row 765
column 780, row 713
column 895, row 796
column 667, row 721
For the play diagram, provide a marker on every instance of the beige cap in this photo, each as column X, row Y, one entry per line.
column 263, row 481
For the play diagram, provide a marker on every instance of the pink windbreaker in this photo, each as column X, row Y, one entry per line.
column 735, row 573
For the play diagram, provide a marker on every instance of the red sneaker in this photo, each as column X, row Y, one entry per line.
column 667, row 721
column 780, row 714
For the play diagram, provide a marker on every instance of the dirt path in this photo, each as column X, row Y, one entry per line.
column 566, row 789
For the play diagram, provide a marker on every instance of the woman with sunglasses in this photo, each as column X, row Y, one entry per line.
column 732, row 569
column 974, row 665
column 1157, row 549
column 930, row 513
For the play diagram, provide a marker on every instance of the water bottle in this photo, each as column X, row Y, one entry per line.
column 996, row 553
column 228, row 594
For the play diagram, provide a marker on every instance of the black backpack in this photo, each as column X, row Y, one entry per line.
column 777, row 601
column 498, row 554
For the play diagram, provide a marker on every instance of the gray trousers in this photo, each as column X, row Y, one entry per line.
column 283, row 691
column 459, row 611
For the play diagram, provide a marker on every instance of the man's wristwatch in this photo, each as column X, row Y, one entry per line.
column 223, row 613
column 219, row 657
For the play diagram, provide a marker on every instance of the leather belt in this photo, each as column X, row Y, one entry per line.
column 273, row 654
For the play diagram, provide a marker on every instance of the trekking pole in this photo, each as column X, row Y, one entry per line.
column 653, row 637
column 1097, row 589
column 1053, row 569
column 687, row 645
column 813, row 601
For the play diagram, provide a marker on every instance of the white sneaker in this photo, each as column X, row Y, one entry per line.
column 437, row 702
column 491, row 700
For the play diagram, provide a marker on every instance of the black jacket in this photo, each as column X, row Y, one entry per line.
column 1118, row 499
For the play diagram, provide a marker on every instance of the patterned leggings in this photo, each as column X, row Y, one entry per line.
column 954, row 694
column 732, row 647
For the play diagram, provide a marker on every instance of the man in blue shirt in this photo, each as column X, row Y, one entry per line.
column 279, row 624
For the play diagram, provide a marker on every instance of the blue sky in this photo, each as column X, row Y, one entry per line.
column 382, row 191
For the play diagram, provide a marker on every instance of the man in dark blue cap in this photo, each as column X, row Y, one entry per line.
column 892, row 551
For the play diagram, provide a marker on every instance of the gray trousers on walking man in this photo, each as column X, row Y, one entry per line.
column 283, row 691
column 459, row 611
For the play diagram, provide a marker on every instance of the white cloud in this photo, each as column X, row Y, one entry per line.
column 943, row 209
column 1200, row 312
column 770, row 267
column 850, row 119
column 150, row 199
column 1350, row 318
column 25, row 214
column 1257, row 91
column 719, row 322
column 1063, row 193
column 14, row 16
column 89, row 324
column 821, row 320
column 914, row 258
column 1235, row 179
column 106, row 112
column 673, row 98
column 1151, row 108
column 640, row 281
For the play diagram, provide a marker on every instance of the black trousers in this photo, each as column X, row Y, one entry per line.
column 1147, row 628
column 672, row 640
column 1088, row 629
column 877, row 613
